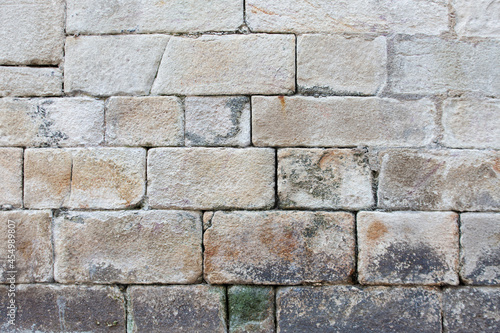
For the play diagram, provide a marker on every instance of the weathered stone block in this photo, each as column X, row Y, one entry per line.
column 341, row 121
column 348, row 309
column 227, row 65
column 144, row 16
column 251, row 309
column 61, row 309
column 336, row 65
column 58, row 122
column 112, row 65
column 30, row 81
column 477, row 18
column 471, row 309
column 471, row 123
column 93, row 178
column 211, row 178
column 432, row 65
column 218, row 121
column 324, row 178
column 144, row 121
column 128, row 247
column 32, row 32
column 11, row 176
column 31, row 232
column 480, row 248
column 410, row 16
column 279, row 247
column 177, row 309
column 439, row 179
column 408, row 248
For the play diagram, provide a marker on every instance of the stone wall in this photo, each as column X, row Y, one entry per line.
column 250, row 166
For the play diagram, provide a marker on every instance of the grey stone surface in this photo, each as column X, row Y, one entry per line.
column 324, row 178
column 177, row 309
column 32, row 32
column 477, row 18
column 279, row 247
column 30, row 81
column 227, row 65
column 417, row 248
column 211, row 178
column 338, row 65
column 112, row 65
column 350, row 309
column 480, row 248
column 11, row 177
column 437, row 179
column 341, row 121
column 33, row 247
column 218, row 121
column 145, row 16
column 62, row 309
column 251, row 309
column 471, row 309
column 144, row 121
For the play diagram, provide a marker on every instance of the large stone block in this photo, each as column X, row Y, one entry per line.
column 433, row 65
column 336, row 65
column 251, row 309
column 359, row 16
column 177, row 309
column 32, row 32
column 279, row 247
column 128, row 247
column 350, row 309
column 112, row 65
column 408, row 248
column 439, row 179
column 211, row 178
column 144, row 121
column 341, row 121
column 477, row 18
column 227, row 65
column 480, row 248
column 11, row 177
column 30, row 81
column 324, row 178
column 145, row 16
column 30, row 234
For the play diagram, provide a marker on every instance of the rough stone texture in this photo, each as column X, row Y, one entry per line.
column 177, row 309
column 336, row 65
column 93, row 178
column 227, row 65
column 62, row 309
column 430, row 65
column 471, row 309
column 439, row 180
column 408, row 248
column 207, row 220
column 480, row 248
column 211, row 178
column 112, row 65
column 128, row 247
column 341, row 121
column 32, row 32
column 410, row 16
column 145, row 16
column 279, row 247
column 218, row 121
column 11, row 176
column 30, row 81
column 32, row 243
column 477, row 18
column 324, row 178
column 251, row 309
column 471, row 123
column 349, row 309
column 58, row 122
column 144, row 121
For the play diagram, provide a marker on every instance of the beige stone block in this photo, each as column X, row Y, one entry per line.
column 11, row 176
column 30, row 81
column 477, row 18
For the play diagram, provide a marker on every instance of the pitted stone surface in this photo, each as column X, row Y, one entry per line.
column 30, row 81
column 11, row 177
column 251, row 309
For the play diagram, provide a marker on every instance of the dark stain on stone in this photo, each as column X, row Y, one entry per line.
column 320, row 91
column 248, row 304
column 488, row 259
column 104, row 273
column 49, row 136
column 319, row 223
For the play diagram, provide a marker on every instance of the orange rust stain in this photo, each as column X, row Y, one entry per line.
column 257, row 9
column 327, row 158
column 376, row 230
column 496, row 166
column 283, row 103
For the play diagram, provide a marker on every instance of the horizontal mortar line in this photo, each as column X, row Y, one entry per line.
column 30, row 66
